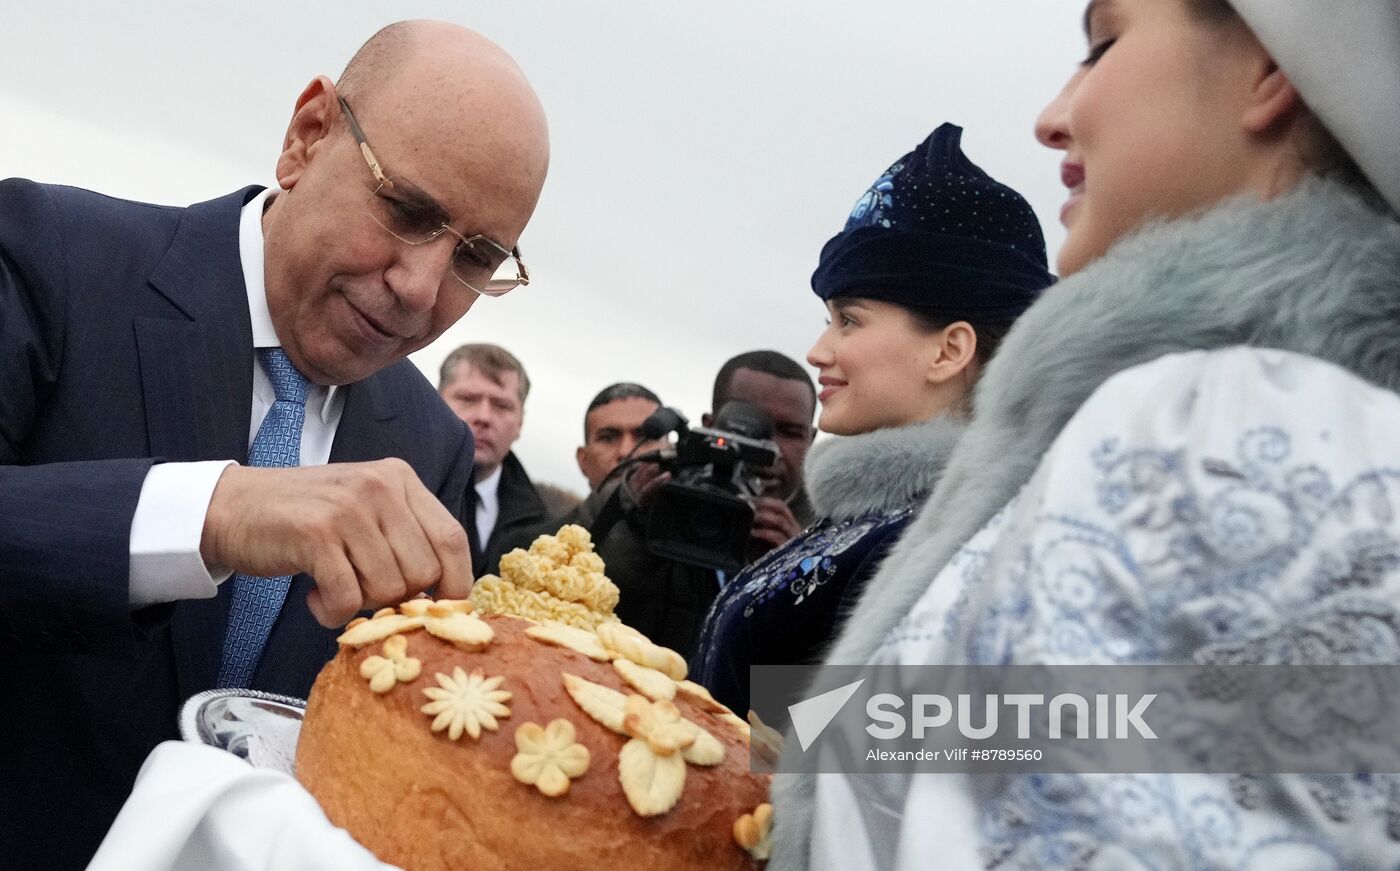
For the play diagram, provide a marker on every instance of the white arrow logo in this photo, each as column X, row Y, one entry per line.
column 811, row 716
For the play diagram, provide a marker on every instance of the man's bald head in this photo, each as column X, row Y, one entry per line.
column 450, row 117
column 434, row 62
column 377, row 59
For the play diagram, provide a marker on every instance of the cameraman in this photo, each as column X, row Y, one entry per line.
column 665, row 599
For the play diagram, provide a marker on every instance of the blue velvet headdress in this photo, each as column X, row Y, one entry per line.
column 937, row 232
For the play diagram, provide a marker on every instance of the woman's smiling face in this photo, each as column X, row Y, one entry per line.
column 873, row 364
column 1153, row 123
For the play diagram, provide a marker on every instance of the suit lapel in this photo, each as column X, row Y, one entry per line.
column 198, row 390
column 364, row 432
column 197, row 379
column 519, row 501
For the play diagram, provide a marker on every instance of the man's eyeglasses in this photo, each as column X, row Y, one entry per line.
column 414, row 218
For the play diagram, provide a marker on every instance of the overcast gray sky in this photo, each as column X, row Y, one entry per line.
column 702, row 151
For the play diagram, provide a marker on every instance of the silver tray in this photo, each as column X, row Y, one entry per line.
column 226, row 718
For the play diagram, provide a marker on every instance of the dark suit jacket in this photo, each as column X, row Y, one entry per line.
column 521, row 508
column 125, row 341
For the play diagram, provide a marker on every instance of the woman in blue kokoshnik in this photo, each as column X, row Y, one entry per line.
column 934, row 264
column 1184, row 453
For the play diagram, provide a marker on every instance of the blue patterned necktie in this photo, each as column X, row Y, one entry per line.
column 257, row 601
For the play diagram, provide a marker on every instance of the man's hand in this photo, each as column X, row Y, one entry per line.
column 643, row 482
column 773, row 525
column 369, row 533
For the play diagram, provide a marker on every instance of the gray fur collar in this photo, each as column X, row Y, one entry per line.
column 1316, row 272
column 880, row 471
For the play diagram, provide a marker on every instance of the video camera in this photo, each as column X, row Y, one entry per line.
column 703, row 515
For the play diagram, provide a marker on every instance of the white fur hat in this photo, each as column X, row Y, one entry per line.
column 1344, row 58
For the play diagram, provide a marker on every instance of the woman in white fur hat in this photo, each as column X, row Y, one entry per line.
column 1185, row 453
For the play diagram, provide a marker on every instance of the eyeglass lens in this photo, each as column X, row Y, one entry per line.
column 477, row 262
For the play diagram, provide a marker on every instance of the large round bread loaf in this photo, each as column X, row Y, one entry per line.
column 425, row 800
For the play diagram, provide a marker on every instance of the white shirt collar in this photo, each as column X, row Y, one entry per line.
column 489, row 506
column 250, row 254
column 487, row 487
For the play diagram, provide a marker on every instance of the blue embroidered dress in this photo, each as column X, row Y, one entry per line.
column 787, row 607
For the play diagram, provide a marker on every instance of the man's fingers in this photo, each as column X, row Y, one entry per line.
column 773, row 523
column 378, row 570
column 336, row 597
column 413, row 552
column 774, row 512
column 370, row 534
column 644, row 497
column 772, row 520
column 643, row 480
column 448, row 540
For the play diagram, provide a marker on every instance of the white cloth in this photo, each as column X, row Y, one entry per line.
column 488, row 505
column 1356, row 100
column 197, row 808
column 165, row 531
column 1229, row 502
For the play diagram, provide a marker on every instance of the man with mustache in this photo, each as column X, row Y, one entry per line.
column 173, row 383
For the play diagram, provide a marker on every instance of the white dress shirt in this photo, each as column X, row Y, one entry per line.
column 488, row 505
column 169, row 522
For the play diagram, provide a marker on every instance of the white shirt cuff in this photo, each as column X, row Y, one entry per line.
column 165, row 533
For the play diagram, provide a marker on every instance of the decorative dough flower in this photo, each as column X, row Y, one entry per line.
column 548, row 757
column 659, row 724
column 394, row 667
column 666, row 732
column 466, row 703
column 754, row 832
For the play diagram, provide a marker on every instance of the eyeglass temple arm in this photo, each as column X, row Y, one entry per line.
column 365, row 150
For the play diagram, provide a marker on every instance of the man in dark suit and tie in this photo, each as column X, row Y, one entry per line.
column 486, row 386
column 173, row 383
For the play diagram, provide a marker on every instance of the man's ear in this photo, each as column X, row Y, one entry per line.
column 578, row 457
column 956, row 350
column 312, row 120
